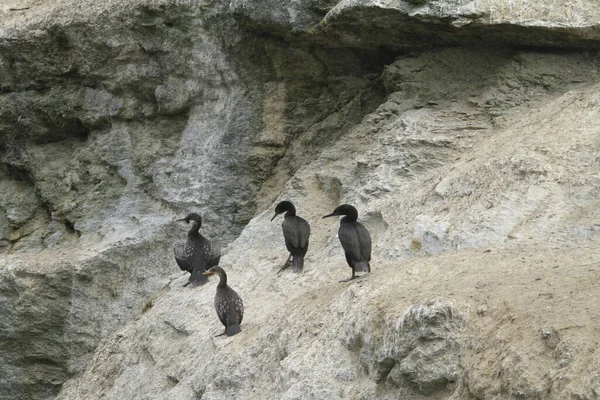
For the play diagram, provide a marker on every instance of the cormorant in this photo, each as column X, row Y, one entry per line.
column 355, row 239
column 197, row 254
column 229, row 305
column 296, row 232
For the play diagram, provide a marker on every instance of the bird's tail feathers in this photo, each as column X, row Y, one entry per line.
column 298, row 262
column 232, row 330
column 196, row 278
column 362, row 266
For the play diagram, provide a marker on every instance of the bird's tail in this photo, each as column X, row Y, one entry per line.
column 232, row 330
column 362, row 266
column 298, row 262
column 196, row 278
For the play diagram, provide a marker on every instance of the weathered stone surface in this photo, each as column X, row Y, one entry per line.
column 406, row 24
column 423, row 350
column 117, row 117
column 57, row 304
column 410, row 330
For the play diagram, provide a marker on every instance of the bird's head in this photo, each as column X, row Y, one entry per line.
column 192, row 217
column 283, row 207
column 344, row 209
column 215, row 271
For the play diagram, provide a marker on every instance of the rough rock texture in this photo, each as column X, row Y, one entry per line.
column 411, row 330
column 451, row 125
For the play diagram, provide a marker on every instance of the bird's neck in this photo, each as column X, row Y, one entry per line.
column 349, row 218
column 222, row 281
column 352, row 214
column 194, row 229
column 290, row 213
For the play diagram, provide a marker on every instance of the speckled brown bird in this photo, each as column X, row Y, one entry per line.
column 228, row 304
column 197, row 254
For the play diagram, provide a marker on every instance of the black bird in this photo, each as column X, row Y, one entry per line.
column 355, row 239
column 197, row 254
column 296, row 232
column 229, row 305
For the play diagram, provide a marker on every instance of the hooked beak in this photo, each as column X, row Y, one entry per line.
column 274, row 217
column 209, row 273
column 329, row 215
column 179, row 220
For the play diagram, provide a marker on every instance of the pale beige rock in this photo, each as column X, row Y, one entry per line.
column 442, row 325
column 118, row 117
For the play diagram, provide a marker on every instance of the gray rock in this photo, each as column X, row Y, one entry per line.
column 429, row 235
column 117, row 118
column 424, row 350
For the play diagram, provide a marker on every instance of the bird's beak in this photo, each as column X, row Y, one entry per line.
column 209, row 273
column 329, row 215
column 274, row 217
column 179, row 220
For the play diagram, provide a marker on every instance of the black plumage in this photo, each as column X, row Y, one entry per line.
column 296, row 232
column 197, row 254
column 355, row 239
column 228, row 304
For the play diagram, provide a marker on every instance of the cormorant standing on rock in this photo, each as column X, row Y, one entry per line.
column 229, row 305
column 296, row 232
column 198, row 253
column 355, row 239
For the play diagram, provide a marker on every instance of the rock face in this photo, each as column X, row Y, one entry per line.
column 453, row 126
column 414, row 330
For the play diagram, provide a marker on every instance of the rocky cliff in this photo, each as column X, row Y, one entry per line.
column 465, row 132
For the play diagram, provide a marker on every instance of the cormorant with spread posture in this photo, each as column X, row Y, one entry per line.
column 197, row 254
column 296, row 232
column 229, row 305
column 355, row 239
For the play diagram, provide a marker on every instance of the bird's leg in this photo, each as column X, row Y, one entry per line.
column 221, row 334
column 287, row 264
column 349, row 279
column 187, row 284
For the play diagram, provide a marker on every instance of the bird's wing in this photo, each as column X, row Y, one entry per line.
column 181, row 257
column 290, row 234
column 230, row 307
column 215, row 253
column 296, row 232
column 238, row 306
column 222, row 308
column 305, row 232
column 349, row 238
column 365, row 243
